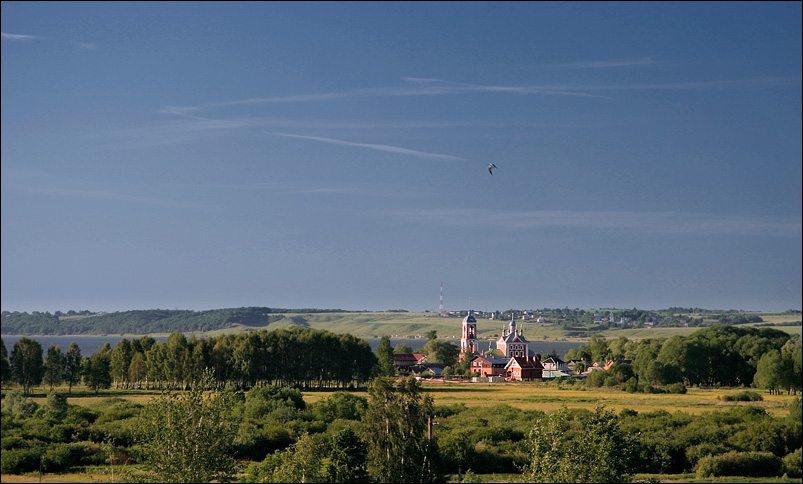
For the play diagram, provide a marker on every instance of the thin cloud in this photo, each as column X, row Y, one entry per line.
column 170, row 133
column 603, row 64
column 678, row 223
column 419, row 87
column 430, row 86
column 386, row 148
column 28, row 38
column 720, row 84
column 19, row 37
column 84, row 45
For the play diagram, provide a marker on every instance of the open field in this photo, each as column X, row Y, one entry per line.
column 549, row 397
column 407, row 325
column 404, row 325
column 546, row 396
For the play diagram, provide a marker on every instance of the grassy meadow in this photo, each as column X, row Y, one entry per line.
column 550, row 396
column 545, row 396
column 405, row 325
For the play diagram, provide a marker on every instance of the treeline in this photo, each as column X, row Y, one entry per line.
column 713, row 356
column 144, row 321
column 294, row 357
column 635, row 318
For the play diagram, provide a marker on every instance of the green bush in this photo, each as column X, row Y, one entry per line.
column 748, row 464
column 745, row 396
column 793, row 463
column 61, row 432
column 19, row 404
column 12, row 441
column 115, row 415
column 676, row 388
column 631, row 385
column 19, row 461
column 57, row 458
column 696, row 453
column 87, row 453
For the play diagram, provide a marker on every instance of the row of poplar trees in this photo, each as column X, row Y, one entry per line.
column 295, row 357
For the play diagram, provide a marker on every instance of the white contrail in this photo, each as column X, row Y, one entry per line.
column 388, row 148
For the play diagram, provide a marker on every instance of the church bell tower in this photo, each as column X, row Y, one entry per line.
column 468, row 342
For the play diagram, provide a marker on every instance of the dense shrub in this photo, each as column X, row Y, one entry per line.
column 793, row 463
column 676, row 388
column 57, row 458
column 87, row 453
column 17, row 403
column 343, row 405
column 117, row 414
column 12, row 441
column 80, row 415
column 745, row 396
column 631, row 385
column 769, row 435
column 61, row 432
column 19, row 461
column 698, row 452
column 749, row 464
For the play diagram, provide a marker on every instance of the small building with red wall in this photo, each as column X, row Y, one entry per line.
column 520, row 368
column 487, row 365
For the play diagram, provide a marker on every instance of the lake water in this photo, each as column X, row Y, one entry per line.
column 90, row 344
column 542, row 347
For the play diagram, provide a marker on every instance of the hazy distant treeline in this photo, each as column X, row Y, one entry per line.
column 143, row 321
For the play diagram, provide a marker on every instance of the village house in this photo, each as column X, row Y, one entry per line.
column 434, row 369
column 555, row 367
column 488, row 365
column 403, row 362
column 521, row 368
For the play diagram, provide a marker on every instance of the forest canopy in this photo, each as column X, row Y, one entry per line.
column 146, row 321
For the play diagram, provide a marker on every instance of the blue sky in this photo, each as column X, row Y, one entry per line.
column 334, row 155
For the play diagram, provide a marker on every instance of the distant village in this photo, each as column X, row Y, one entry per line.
column 511, row 360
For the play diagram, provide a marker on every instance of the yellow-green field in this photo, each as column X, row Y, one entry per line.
column 403, row 325
column 408, row 325
column 522, row 395
column 548, row 397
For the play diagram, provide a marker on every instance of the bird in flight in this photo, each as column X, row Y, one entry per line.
column 491, row 167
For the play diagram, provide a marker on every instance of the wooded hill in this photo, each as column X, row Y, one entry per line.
column 150, row 321
column 542, row 324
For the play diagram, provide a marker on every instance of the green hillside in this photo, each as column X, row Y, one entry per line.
column 544, row 325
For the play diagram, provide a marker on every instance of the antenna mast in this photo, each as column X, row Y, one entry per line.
column 440, row 311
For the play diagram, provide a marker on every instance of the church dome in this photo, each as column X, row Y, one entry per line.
column 469, row 319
